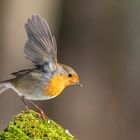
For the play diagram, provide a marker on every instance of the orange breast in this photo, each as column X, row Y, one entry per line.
column 55, row 86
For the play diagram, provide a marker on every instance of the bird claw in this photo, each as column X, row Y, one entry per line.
column 42, row 115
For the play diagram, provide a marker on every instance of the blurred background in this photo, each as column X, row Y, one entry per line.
column 101, row 41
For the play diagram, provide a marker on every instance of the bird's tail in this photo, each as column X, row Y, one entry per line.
column 5, row 85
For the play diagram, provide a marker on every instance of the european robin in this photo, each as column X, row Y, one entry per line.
column 48, row 78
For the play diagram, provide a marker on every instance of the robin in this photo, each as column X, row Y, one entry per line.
column 48, row 78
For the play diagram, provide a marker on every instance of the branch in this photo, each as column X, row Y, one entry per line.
column 28, row 125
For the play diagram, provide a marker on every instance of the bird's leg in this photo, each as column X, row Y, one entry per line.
column 23, row 101
column 43, row 115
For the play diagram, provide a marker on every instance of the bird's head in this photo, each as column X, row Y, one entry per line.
column 70, row 76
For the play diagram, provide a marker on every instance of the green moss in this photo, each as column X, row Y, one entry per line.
column 29, row 126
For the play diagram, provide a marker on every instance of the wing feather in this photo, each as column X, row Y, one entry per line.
column 23, row 72
column 41, row 46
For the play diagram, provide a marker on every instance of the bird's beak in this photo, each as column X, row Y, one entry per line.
column 79, row 84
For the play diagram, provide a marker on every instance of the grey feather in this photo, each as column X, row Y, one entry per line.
column 41, row 46
column 24, row 72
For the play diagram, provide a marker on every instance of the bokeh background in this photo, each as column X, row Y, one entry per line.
column 101, row 41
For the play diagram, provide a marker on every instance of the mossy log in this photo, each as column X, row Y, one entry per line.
column 29, row 126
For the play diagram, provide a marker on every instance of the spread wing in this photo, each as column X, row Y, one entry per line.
column 41, row 46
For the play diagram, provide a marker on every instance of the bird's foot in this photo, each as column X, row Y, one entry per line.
column 25, row 105
column 26, row 108
column 41, row 112
column 42, row 115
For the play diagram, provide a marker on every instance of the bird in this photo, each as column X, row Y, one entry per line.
column 48, row 78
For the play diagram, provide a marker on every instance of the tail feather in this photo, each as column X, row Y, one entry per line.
column 3, row 89
column 4, row 86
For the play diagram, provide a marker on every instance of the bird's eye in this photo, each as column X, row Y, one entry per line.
column 70, row 75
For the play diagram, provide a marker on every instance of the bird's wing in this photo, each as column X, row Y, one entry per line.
column 22, row 72
column 41, row 46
